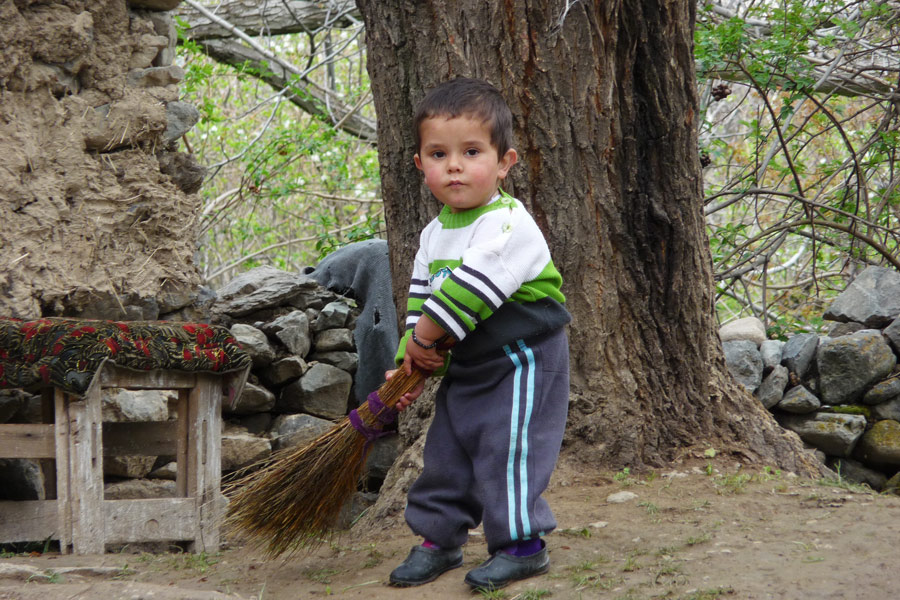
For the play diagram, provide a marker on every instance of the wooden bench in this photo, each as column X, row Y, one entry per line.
column 72, row 442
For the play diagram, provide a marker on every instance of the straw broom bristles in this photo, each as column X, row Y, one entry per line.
column 296, row 498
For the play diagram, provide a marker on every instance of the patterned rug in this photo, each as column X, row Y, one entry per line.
column 67, row 353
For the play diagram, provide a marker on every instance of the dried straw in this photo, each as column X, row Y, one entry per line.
column 294, row 500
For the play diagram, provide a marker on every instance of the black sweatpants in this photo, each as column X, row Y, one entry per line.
column 493, row 444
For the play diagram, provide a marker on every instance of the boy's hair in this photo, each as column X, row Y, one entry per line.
column 473, row 98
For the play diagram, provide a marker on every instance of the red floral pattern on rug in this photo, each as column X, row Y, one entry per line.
column 66, row 353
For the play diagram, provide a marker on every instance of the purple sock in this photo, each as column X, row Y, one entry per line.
column 431, row 545
column 525, row 547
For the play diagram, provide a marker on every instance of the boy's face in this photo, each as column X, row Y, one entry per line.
column 460, row 165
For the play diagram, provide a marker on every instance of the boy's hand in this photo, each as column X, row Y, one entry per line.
column 427, row 360
column 407, row 398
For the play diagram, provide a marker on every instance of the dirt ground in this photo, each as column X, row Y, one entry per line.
column 701, row 532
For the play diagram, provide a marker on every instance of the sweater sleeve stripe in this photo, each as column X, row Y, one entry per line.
column 481, row 286
column 445, row 319
column 452, row 309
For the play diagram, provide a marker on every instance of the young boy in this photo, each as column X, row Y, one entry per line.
column 483, row 277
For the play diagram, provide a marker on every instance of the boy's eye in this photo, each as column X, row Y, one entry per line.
column 437, row 154
column 472, row 152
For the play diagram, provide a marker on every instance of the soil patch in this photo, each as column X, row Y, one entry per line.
column 703, row 531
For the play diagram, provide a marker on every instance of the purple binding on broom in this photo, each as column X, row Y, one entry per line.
column 383, row 413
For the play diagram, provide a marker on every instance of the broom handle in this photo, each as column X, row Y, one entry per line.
column 401, row 383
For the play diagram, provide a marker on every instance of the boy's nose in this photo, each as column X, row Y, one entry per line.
column 453, row 164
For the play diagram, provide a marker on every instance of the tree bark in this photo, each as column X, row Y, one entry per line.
column 605, row 106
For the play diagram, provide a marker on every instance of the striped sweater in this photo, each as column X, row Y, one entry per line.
column 486, row 277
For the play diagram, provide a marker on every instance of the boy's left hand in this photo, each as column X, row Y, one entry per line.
column 407, row 398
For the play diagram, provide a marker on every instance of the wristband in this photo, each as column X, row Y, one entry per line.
column 420, row 344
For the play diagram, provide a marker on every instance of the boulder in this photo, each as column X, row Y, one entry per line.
column 22, row 479
column 883, row 391
column 125, row 406
column 253, row 399
column 292, row 330
column 833, row 434
column 255, row 343
column 297, row 430
column 771, row 352
column 333, row 315
column 771, row 391
column 881, row 444
column 346, row 361
column 847, row 328
column 872, row 299
column 799, row 400
column 856, row 472
column 744, row 363
column 892, row 333
column 323, row 391
column 262, row 288
column 384, row 452
column 798, row 353
column 135, row 489
column 850, row 364
column 333, row 340
column 180, row 116
column 241, row 449
column 283, row 371
column 748, row 328
column 887, row 410
column 128, row 467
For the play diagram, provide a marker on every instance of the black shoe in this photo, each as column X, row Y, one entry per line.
column 502, row 569
column 425, row 564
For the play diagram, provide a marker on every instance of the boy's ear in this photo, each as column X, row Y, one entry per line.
column 417, row 160
column 509, row 158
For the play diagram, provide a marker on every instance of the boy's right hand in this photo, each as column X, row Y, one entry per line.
column 427, row 360
column 407, row 398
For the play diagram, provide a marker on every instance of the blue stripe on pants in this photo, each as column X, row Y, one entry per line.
column 518, row 440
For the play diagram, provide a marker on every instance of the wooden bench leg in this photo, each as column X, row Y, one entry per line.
column 63, row 502
column 205, row 459
column 85, row 466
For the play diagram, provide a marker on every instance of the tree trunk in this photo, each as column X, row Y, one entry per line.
column 605, row 107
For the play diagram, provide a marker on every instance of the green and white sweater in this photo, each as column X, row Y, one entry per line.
column 486, row 277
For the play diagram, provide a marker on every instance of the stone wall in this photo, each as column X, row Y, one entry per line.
column 98, row 205
column 839, row 392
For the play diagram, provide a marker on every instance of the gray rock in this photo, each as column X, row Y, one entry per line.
column 384, row 452
column 180, row 116
column 284, row 370
column 333, row 315
column 887, row 410
column 128, row 406
column 147, row 48
column 798, row 353
column 21, row 479
column 881, row 444
column 883, row 391
column 134, row 489
column 771, row 391
column 834, row 434
column 345, row 361
column 748, row 328
column 241, row 449
column 184, row 169
column 297, row 430
column 799, row 400
column 128, row 467
column 262, row 288
column 168, row 471
column 892, row 333
column 332, row 340
column 155, row 4
column 155, row 76
column 257, row 424
column 11, row 402
column 744, row 363
column 255, row 343
column 873, row 299
column 253, row 399
column 770, row 351
column 848, row 365
column 847, row 328
column 856, row 472
column 293, row 331
column 323, row 391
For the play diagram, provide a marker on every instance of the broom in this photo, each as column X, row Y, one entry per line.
column 296, row 497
